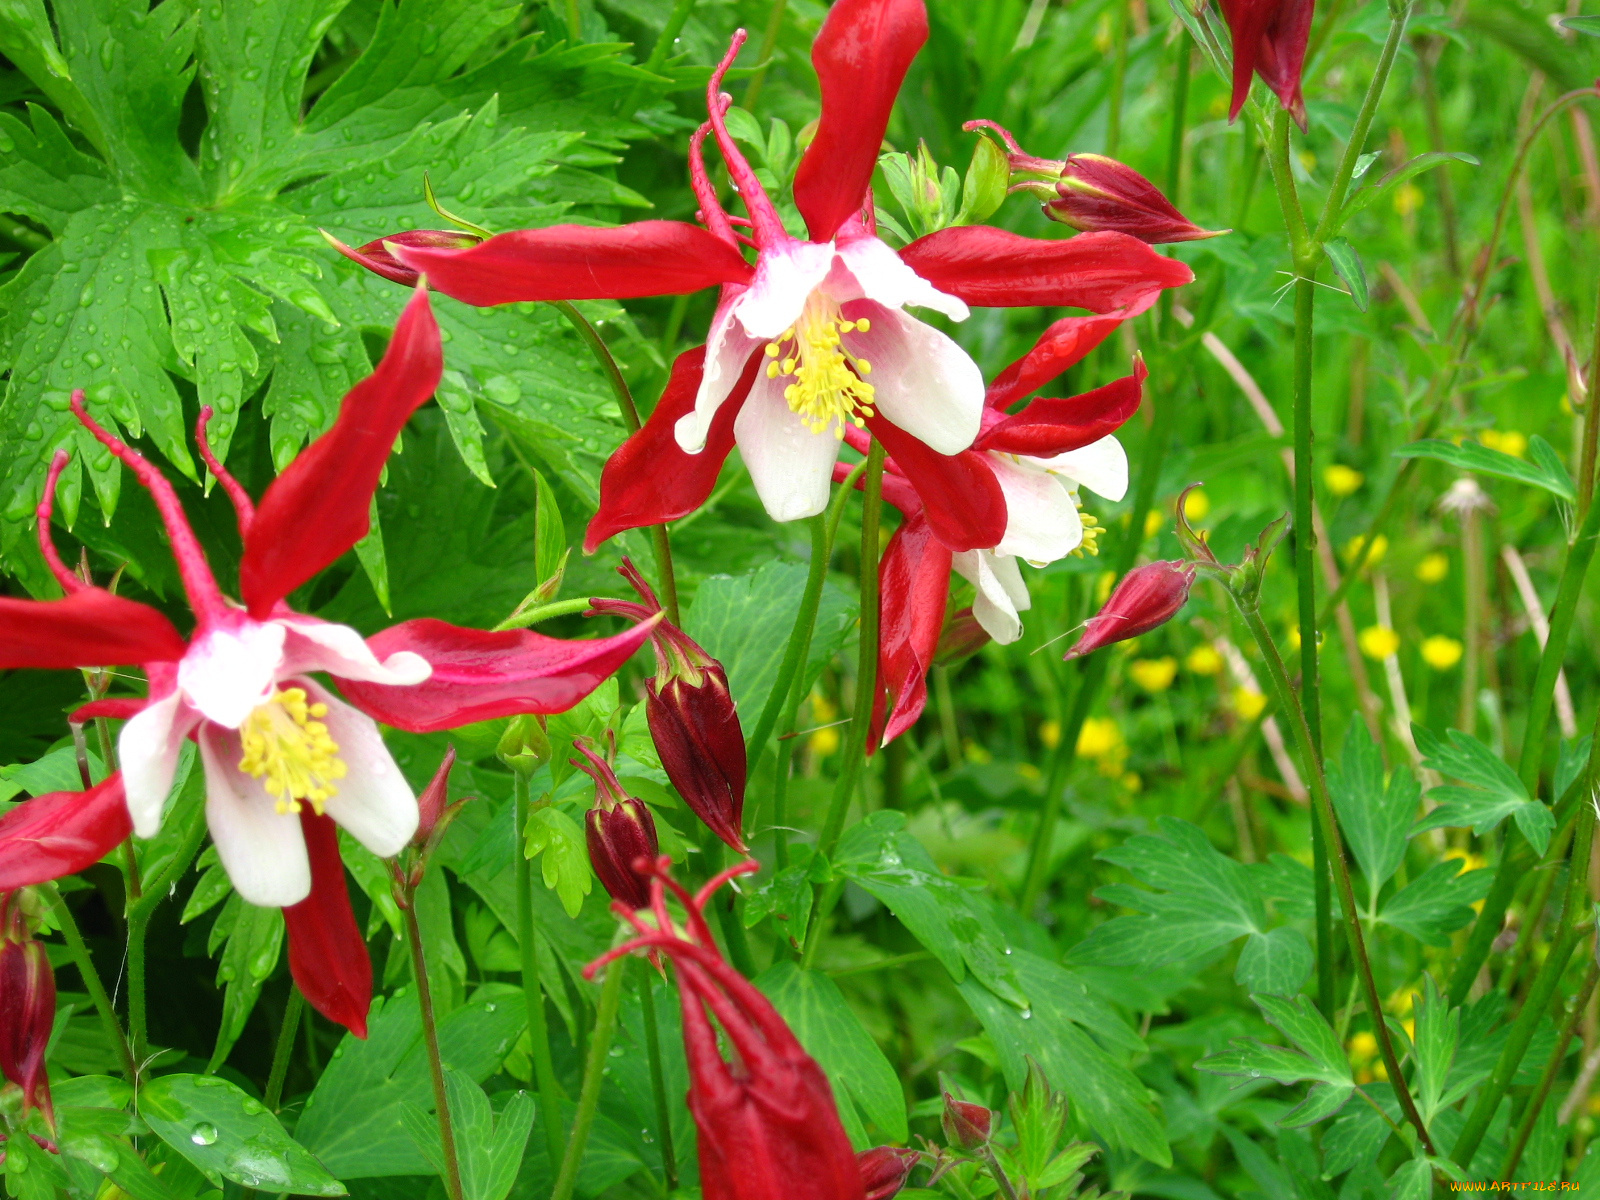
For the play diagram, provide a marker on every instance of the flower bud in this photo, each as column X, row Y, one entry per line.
column 696, row 731
column 961, row 638
column 1148, row 596
column 27, row 1007
column 524, row 746
column 884, row 1170
column 376, row 257
column 966, row 1125
column 620, row 831
column 434, row 800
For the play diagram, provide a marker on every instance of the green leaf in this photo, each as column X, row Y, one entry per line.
column 43, row 176
column 489, row 1151
column 374, row 558
column 1375, row 817
column 1414, row 166
column 550, row 533
column 1346, row 262
column 1496, row 793
column 1437, row 902
column 1470, row 456
column 785, row 898
column 1316, row 1056
column 1437, row 1028
column 1275, row 963
column 1589, row 24
column 255, row 938
column 832, row 1034
column 229, row 1135
column 565, row 864
column 1573, row 759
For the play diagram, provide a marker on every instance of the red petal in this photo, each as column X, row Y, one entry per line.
column 1282, row 54
column 1049, row 427
column 960, row 495
column 90, row 628
column 318, row 508
column 478, row 675
column 992, row 267
column 861, row 57
column 61, row 832
column 577, row 262
column 115, row 708
column 897, row 489
column 651, row 479
column 914, row 586
column 327, row 954
column 1061, row 346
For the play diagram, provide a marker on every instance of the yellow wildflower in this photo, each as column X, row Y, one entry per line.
column 1050, row 734
column 1204, row 660
column 1363, row 1047
column 1380, row 546
column 1343, row 480
column 1098, row 737
column 1152, row 523
column 1154, row 674
column 1407, row 199
column 1440, row 652
column 1433, row 568
column 1196, row 505
column 1507, row 442
column 1248, row 702
column 1378, row 642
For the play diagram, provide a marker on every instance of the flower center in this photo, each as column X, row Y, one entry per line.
column 288, row 747
column 829, row 385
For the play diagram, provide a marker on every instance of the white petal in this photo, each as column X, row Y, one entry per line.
column 790, row 466
column 884, row 277
column 785, row 276
column 1001, row 592
column 339, row 650
column 921, row 380
column 228, row 672
column 374, row 801
column 1042, row 522
column 728, row 348
column 148, row 747
column 262, row 850
column 1101, row 466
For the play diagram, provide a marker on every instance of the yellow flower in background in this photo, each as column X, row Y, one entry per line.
column 1152, row 522
column 823, row 742
column 1407, row 199
column 1204, row 660
column 1470, row 861
column 1380, row 547
column 1050, row 734
column 1131, row 782
column 1342, row 480
column 1378, row 642
column 1102, row 33
column 1248, row 703
column 1507, row 442
column 1440, row 652
column 1102, row 586
column 1028, row 771
column 1433, row 568
column 976, row 753
column 1363, row 1047
column 1308, row 160
column 1294, row 637
column 1196, row 505
column 1098, row 738
column 1154, row 674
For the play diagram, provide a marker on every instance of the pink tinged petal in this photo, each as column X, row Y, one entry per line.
column 789, row 465
column 962, row 499
column 113, row 708
column 897, row 489
column 786, row 275
column 478, row 676
column 61, row 833
column 312, row 645
column 148, row 747
column 914, row 587
column 922, row 381
column 992, row 267
column 261, row 849
column 229, row 671
column 373, row 801
column 578, row 262
column 1042, row 522
column 318, row 508
column 90, row 628
column 327, row 954
column 885, row 278
column 861, row 56
column 727, row 354
column 1102, row 467
column 1001, row 593
column 1062, row 345
column 1049, row 426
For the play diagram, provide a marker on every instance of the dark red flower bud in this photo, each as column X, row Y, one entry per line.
column 961, row 638
column 884, row 1170
column 620, row 832
column 27, row 1007
column 966, row 1125
column 376, row 257
column 1269, row 38
column 434, row 799
column 1148, row 596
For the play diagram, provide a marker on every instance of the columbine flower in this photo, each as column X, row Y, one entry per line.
column 619, row 831
column 767, row 1124
column 884, row 1170
column 814, row 339
column 1269, row 38
column 27, row 1007
column 284, row 757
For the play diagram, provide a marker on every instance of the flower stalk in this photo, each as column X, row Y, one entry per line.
column 658, row 1082
column 430, row 1038
column 92, row 982
column 605, row 1023
column 292, row 1010
column 544, row 1071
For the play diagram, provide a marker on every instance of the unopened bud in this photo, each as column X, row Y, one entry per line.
column 884, row 1170
column 961, row 638
column 524, row 746
column 966, row 1125
column 376, row 257
column 1148, row 596
column 620, row 831
column 696, row 731
column 435, row 798
column 27, row 1007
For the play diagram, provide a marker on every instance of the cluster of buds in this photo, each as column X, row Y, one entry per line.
column 27, row 1006
column 620, row 831
column 1092, row 192
column 692, row 717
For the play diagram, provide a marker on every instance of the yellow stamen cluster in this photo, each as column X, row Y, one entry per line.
column 1092, row 529
column 829, row 385
column 287, row 745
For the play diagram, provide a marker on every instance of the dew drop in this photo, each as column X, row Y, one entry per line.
column 203, row 1134
column 1026, row 1014
column 490, row 1007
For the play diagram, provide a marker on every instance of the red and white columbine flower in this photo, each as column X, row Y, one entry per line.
column 285, row 758
column 813, row 339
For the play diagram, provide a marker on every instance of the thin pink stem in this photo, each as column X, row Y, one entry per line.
column 243, row 507
column 631, row 573
column 68, row 580
column 764, row 219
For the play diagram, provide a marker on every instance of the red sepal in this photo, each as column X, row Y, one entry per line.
column 60, row 833
column 327, row 954
column 994, row 268
column 619, row 836
column 913, row 588
column 1048, row 427
column 884, row 1170
column 377, row 257
column 113, row 708
column 1063, row 345
column 579, row 262
column 697, row 735
column 1146, row 597
column 960, row 495
column 1269, row 38
column 478, row 675
column 319, row 507
column 650, row 479
column 90, row 628
column 861, row 56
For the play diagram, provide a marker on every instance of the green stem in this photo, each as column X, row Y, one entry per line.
column 855, row 749
column 1294, row 217
column 1591, row 427
column 544, row 1071
column 574, row 20
column 658, row 1081
column 1177, row 121
column 543, row 612
column 1119, row 75
column 605, row 1022
column 1537, row 1003
column 769, row 40
column 138, row 926
column 280, row 1054
column 1552, row 1068
column 430, row 1038
column 1295, row 716
column 81, row 959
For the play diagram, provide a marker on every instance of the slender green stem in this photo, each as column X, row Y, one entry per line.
column 605, row 1022
column 659, row 54
column 280, row 1054
column 1552, row 1068
column 1294, row 217
column 430, row 1039
column 1534, row 1008
column 1119, row 75
column 1591, row 426
column 544, row 1072
column 769, row 41
column 1305, row 535
column 138, row 925
column 1177, row 118
column 658, row 1081
column 543, row 612
column 574, row 20
column 82, row 959
column 15, row 231
column 855, row 750
column 1295, row 717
